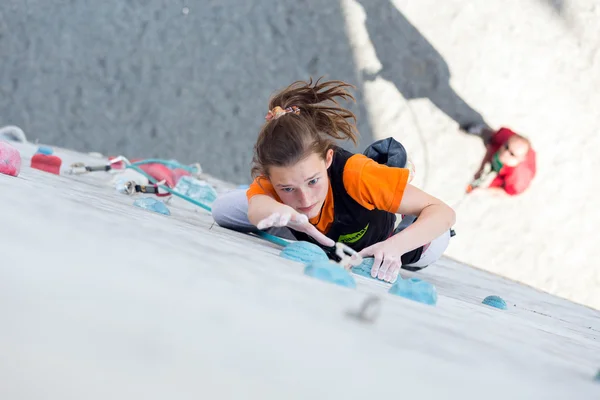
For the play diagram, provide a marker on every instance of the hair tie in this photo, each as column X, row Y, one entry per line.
column 278, row 112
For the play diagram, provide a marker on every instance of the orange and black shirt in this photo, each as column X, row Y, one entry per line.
column 361, row 202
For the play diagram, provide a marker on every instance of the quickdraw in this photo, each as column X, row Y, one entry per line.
column 131, row 187
column 80, row 168
column 345, row 256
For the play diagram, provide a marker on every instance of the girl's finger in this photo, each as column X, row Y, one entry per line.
column 268, row 222
column 385, row 265
column 395, row 273
column 393, row 268
column 319, row 237
column 284, row 219
column 376, row 264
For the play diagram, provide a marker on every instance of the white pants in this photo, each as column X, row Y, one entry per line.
column 230, row 210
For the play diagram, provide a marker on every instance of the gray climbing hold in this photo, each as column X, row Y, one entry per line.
column 415, row 289
column 13, row 133
column 328, row 271
column 304, row 252
column 151, row 204
column 495, row 301
column 597, row 377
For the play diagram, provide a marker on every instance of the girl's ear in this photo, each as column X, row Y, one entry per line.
column 329, row 158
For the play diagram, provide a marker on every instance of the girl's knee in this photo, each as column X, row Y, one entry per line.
column 433, row 252
column 230, row 210
column 219, row 210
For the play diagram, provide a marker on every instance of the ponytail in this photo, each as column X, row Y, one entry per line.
column 303, row 119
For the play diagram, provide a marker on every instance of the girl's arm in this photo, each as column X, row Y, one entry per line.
column 435, row 218
column 262, row 206
column 266, row 212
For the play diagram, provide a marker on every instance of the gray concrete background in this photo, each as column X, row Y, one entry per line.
column 191, row 80
column 145, row 79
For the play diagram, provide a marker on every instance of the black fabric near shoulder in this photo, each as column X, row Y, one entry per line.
column 389, row 152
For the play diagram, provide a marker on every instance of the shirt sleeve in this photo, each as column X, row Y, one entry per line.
column 261, row 185
column 374, row 185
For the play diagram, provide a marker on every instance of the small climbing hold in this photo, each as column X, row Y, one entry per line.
column 151, row 204
column 125, row 186
column 328, row 271
column 45, row 150
column 304, row 252
column 597, row 377
column 46, row 162
column 364, row 269
column 495, row 301
column 13, row 133
column 10, row 160
column 415, row 289
column 196, row 189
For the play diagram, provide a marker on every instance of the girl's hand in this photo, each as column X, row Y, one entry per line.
column 387, row 261
column 296, row 221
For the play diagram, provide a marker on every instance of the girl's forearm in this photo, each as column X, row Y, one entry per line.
column 261, row 206
column 432, row 221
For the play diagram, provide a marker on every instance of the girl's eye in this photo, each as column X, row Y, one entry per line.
column 288, row 189
column 313, row 181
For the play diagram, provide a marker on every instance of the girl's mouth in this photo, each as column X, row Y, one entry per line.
column 306, row 209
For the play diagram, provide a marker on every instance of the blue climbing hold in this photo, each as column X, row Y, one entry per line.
column 151, row 204
column 495, row 301
column 364, row 269
column 328, row 271
column 415, row 289
column 196, row 189
column 597, row 377
column 45, row 150
column 304, row 252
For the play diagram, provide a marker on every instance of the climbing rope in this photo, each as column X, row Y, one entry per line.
column 135, row 166
column 341, row 253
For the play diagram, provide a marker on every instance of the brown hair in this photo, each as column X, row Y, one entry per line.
column 290, row 138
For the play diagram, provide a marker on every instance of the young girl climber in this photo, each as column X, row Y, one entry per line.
column 325, row 194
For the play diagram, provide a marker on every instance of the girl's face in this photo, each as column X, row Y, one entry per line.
column 303, row 186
